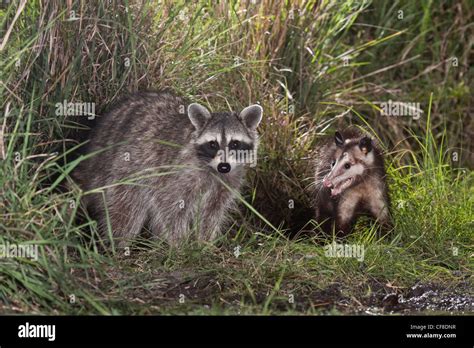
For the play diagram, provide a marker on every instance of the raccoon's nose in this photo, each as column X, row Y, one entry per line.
column 223, row 167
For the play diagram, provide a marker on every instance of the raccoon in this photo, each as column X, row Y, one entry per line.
column 166, row 166
column 350, row 181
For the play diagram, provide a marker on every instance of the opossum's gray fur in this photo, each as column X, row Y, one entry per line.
column 154, row 172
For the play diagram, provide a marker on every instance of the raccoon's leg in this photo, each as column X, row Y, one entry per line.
column 171, row 220
column 126, row 214
column 209, row 225
column 212, row 214
column 166, row 227
column 126, row 226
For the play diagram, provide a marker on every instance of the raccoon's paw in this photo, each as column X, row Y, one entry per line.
column 209, row 235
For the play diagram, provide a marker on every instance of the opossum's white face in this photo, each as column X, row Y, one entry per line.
column 225, row 141
column 353, row 158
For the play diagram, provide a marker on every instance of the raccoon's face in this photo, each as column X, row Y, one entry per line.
column 225, row 141
column 352, row 159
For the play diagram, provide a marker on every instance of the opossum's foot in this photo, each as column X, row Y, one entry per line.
column 342, row 232
column 385, row 229
column 343, row 228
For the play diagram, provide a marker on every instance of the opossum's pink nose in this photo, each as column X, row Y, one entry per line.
column 327, row 183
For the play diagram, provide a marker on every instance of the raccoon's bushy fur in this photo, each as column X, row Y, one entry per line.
column 157, row 170
column 366, row 194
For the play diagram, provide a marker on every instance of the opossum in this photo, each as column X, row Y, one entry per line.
column 350, row 180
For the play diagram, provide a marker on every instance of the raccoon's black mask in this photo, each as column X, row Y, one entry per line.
column 223, row 139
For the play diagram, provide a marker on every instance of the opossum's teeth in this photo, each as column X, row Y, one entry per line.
column 336, row 190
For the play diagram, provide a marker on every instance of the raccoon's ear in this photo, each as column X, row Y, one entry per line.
column 339, row 139
column 251, row 116
column 365, row 145
column 198, row 115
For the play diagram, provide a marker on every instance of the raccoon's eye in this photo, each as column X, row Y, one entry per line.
column 347, row 165
column 213, row 144
column 234, row 144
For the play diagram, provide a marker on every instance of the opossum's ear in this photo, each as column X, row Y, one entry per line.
column 339, row 139
column 198, row 115
column 251, row 116
column 365, row 145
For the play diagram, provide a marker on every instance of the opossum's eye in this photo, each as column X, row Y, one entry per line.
column 347, row 165
column 213, row 144
column 234, row 144
column 333, row 163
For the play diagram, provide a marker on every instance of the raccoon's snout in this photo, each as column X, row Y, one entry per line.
column 223, row 168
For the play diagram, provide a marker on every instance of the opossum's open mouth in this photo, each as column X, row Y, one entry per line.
column 336, row 190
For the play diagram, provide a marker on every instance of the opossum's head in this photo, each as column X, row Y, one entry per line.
column 225, row 141
column 352, row 160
